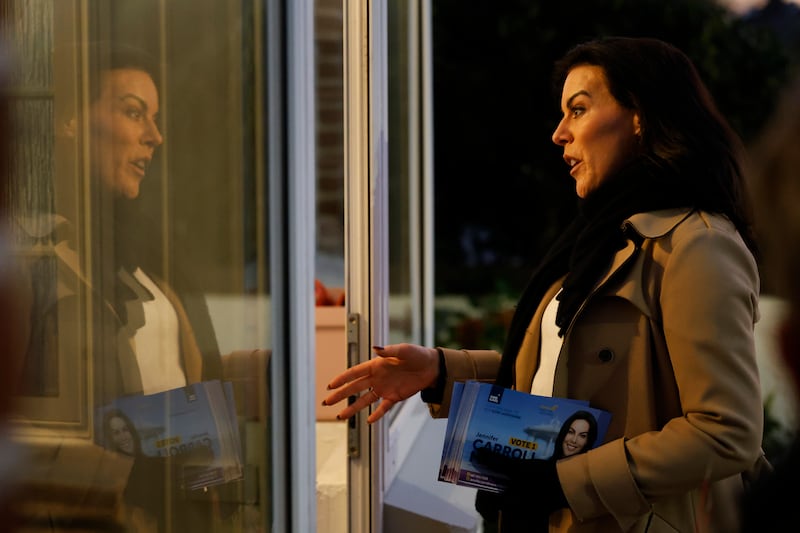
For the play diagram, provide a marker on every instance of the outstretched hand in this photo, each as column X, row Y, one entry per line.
column 399, row 372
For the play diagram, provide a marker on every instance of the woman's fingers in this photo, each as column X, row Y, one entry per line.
column 360, row 403
column 382, row 408
column 360, row 378
column 358, row 371
column 349, row 389
column 365, row 400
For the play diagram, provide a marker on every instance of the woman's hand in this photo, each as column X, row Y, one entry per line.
column 399, row 372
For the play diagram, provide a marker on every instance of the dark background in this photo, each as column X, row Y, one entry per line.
column 502, row 191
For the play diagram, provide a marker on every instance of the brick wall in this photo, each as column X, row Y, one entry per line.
column 330, row 127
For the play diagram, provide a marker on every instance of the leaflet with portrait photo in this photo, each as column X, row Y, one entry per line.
column 193, row 427
column 514, row 424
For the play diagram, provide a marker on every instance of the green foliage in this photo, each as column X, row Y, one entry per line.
column 481, row 323
column 777, row 436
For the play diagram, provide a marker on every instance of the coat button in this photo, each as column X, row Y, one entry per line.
column 605, row 355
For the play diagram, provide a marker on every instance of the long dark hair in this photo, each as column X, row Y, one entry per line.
column 558, row 453
column 682, row 131
column 106, row 55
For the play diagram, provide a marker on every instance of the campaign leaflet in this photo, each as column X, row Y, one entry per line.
column 194, row 428
column 515, row 424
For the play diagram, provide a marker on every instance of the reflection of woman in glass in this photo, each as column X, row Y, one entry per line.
column 124, row 136
column 146, row 339
column 145, row 491
column 155, row 334
column 120, row 434
column 577, row 435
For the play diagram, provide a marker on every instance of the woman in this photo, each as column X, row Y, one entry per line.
column 144, row 336
column 577, row 435
column 145, row 491
column 645, row 307
column 120, row 434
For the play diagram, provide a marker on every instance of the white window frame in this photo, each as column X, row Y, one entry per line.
column 291, row 123
column 366, row 229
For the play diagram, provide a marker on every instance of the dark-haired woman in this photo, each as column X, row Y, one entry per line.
column 120, row 434
column 577, row 435
column 644, row 306
column 144, row 339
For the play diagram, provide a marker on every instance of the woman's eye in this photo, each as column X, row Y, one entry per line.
column 576, row 111
column 133, row 113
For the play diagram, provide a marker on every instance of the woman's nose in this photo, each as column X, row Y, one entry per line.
column 560, row 135
column 152, row 136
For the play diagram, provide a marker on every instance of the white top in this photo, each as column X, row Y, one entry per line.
column 157, row 342
column 551, row 343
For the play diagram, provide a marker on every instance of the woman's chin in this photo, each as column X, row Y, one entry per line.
column 129, row 191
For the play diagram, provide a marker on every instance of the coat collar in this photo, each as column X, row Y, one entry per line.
column 648, row 225
column 43, row 227
column 655, row 224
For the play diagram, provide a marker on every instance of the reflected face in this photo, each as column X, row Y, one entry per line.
column 121, row 436
column 575, row 440
column 123, row 130
column 597, row 133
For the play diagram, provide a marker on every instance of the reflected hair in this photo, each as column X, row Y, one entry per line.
column 105, row 56
column 682, row 131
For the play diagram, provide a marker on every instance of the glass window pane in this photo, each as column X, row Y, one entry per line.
column 330, row 315
column 139, row 201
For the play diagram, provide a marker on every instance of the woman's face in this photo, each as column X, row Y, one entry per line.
column 123, row 130
column 121, row 436
column 597, row 133
column 575, row 440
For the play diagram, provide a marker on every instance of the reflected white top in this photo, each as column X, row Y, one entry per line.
column 548, row 355
column 157, row 345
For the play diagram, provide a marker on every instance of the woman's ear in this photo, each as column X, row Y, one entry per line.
column 69, row 129
column 637, row 125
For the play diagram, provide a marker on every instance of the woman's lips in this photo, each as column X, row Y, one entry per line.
column 139, row 167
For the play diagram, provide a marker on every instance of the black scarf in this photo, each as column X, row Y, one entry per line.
column 131, row 240
column 585, row 249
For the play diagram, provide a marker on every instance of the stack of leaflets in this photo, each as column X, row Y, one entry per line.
column 193, row 427
column 514, row 424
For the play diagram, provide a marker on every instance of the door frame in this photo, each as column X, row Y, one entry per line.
column 290, row 164
column 366, row 237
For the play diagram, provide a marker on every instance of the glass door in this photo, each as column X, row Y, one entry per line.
column 159, row 196
column 388, row 177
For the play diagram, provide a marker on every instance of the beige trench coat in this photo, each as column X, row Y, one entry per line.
column 115, row 368
column 667, row 347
